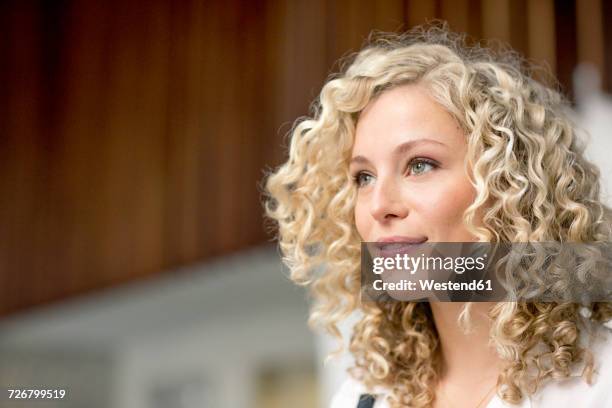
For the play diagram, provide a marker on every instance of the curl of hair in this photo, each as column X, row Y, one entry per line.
column 532, row 183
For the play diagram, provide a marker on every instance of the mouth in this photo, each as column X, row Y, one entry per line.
column 391, row 247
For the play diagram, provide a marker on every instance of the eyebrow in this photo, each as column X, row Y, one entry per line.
column 400, row 149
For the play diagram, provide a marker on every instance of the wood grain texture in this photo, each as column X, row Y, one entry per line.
column 542, row 41
column 134, row 136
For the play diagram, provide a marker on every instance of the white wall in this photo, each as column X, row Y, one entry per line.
column 200, row 336
column 594, row 114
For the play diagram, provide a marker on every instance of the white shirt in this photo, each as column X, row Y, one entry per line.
column 572, row 392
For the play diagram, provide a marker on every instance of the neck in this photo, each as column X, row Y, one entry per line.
column 466, row 358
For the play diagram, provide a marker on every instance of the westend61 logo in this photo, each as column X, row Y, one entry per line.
column 476, row 271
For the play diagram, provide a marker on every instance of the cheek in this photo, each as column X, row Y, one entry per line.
column 362, row 221
column 442, row 208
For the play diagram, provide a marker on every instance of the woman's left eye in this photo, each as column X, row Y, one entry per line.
column 421, row 166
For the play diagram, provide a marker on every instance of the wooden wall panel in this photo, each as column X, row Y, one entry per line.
column 566, row 44
column 184, row 227
column 463, row 16
column 420, row 11
column 350, row 22
column 606, row 12
column 496, row 20
column 134, row 135
column 20, row 191
column 590, row 37
column 541, row 26
column 296, row 65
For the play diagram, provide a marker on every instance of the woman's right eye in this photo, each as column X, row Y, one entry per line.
column 361, row 178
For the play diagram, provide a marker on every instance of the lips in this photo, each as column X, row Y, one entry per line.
column 389, row 247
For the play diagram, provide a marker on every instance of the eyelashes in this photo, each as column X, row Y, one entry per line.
column 422, row 163
column 357, row 178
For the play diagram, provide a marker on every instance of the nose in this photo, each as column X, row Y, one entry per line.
column 387, row 202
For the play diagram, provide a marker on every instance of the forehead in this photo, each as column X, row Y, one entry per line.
column 404, row 113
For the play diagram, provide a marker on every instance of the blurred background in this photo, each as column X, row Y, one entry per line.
column 136, row 269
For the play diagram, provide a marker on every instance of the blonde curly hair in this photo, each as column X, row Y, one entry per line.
column 532, row 183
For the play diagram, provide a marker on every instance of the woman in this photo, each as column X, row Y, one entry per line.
column 424, row 139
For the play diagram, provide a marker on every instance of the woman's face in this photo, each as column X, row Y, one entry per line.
column 408, row 165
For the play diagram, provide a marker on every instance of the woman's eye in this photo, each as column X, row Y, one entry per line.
column 361, row 178
column 416, row 168
column 421, row 166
